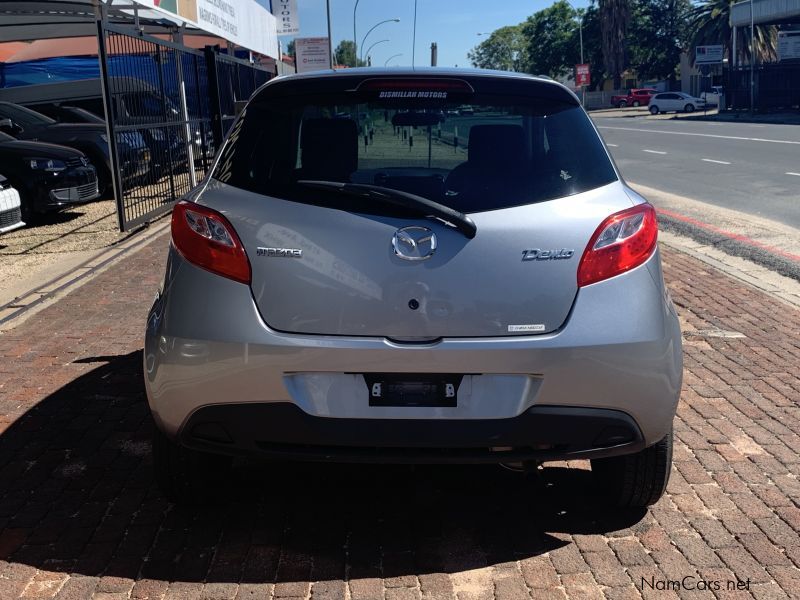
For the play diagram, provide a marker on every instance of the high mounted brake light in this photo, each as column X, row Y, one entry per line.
column 418, row 84
column 205, row 238
column 622, row 242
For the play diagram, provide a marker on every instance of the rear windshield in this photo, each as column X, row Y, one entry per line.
column 476, row 153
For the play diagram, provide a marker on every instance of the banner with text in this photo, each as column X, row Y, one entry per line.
column 246, row 23
column 582, row 75
column 285, row 12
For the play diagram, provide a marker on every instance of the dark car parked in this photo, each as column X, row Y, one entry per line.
column 134, row 151
column 165, row 143
column 48, row 177
column 90, row 138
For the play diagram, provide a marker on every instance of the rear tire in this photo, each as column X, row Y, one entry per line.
column 636, row 480
column 187, row 476
column 653, row 110
column 688, row 108
column 27, row 212
column 622, row 104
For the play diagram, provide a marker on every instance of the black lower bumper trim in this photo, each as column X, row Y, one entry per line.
column 282, row 430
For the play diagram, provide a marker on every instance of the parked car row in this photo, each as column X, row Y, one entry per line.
column 135, row 104
column 667, row 101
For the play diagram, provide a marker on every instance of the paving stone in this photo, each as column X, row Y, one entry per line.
column 80, row 515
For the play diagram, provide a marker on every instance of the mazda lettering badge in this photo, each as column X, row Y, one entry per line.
column 414, row 243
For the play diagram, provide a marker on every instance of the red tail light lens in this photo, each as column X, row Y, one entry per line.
column 205, row 238
column 623, row 241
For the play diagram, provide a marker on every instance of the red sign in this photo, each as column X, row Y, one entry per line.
column 582, row 76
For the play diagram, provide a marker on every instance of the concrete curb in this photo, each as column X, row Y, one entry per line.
column 29, row 303
column 774, row 284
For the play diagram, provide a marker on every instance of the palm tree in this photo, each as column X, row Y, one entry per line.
column 709, row 23
column 614, row 19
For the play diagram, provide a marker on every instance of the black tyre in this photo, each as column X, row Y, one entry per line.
column 28, row 215
column 104, row 183
column 653, row 110
column 688, row 108
column 622, row 104
column 636, row 480
column 187, row 476
column 636, row 103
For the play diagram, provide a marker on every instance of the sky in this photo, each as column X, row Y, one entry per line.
column 453, row 24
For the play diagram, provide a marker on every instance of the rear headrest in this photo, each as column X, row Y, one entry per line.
column 495, row 145
column 329, row 148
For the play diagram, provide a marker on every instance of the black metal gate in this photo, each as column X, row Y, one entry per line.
column 231, row 80
column 167, row 108
column 775, row 86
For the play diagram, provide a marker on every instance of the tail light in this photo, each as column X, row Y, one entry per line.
column 205, row 238
column 623, row 241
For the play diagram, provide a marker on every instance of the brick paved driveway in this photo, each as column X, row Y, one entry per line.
column 80, row 516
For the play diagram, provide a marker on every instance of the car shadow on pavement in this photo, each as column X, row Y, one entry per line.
column 78, row 496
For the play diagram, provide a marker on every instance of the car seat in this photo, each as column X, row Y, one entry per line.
column 329, row 149
column 495, row 165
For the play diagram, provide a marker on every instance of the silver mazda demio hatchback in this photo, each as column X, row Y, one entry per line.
column 414, row 266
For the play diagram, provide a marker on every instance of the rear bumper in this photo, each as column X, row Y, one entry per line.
column 283, row 430
column 620, row 350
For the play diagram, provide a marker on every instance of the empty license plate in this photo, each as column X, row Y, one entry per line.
column 405, row 389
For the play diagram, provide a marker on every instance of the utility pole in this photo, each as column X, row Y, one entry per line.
column 330, row 39
column 752, row 60
column 434, row 54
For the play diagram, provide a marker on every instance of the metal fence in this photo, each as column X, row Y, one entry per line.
column 775, row 86
column 231, row 80
column 167, row 109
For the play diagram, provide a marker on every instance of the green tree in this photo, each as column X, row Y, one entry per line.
column 345, row 54
column 709, row 23
column 290, row 49
column 503, row 50
column 614, row 20
column 551, row 40
column 658, row 34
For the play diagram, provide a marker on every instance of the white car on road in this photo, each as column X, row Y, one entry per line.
column 675, row 101
column 10, row 207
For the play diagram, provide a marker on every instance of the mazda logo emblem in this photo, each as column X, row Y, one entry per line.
column 414, row 243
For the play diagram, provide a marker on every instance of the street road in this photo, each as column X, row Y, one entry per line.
column 754, row 168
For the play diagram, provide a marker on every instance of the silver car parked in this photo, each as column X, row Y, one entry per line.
column 373, row 273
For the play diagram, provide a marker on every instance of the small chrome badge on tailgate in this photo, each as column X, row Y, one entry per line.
column 280, row 252
column 538, row 254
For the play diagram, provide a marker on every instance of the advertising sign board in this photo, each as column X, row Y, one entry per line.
column 582, row 76
column 312, row 54
column 246, row 23
column 285, row 12
column 788, row 45
column 707, row 55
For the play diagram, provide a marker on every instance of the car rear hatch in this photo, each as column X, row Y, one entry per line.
column 327, row 188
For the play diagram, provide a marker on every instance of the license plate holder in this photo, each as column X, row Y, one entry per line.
column 413, row 389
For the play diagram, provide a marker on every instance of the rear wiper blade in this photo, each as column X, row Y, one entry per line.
column 394, row 197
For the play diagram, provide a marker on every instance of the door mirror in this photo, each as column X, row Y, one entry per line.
column 10, row 127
